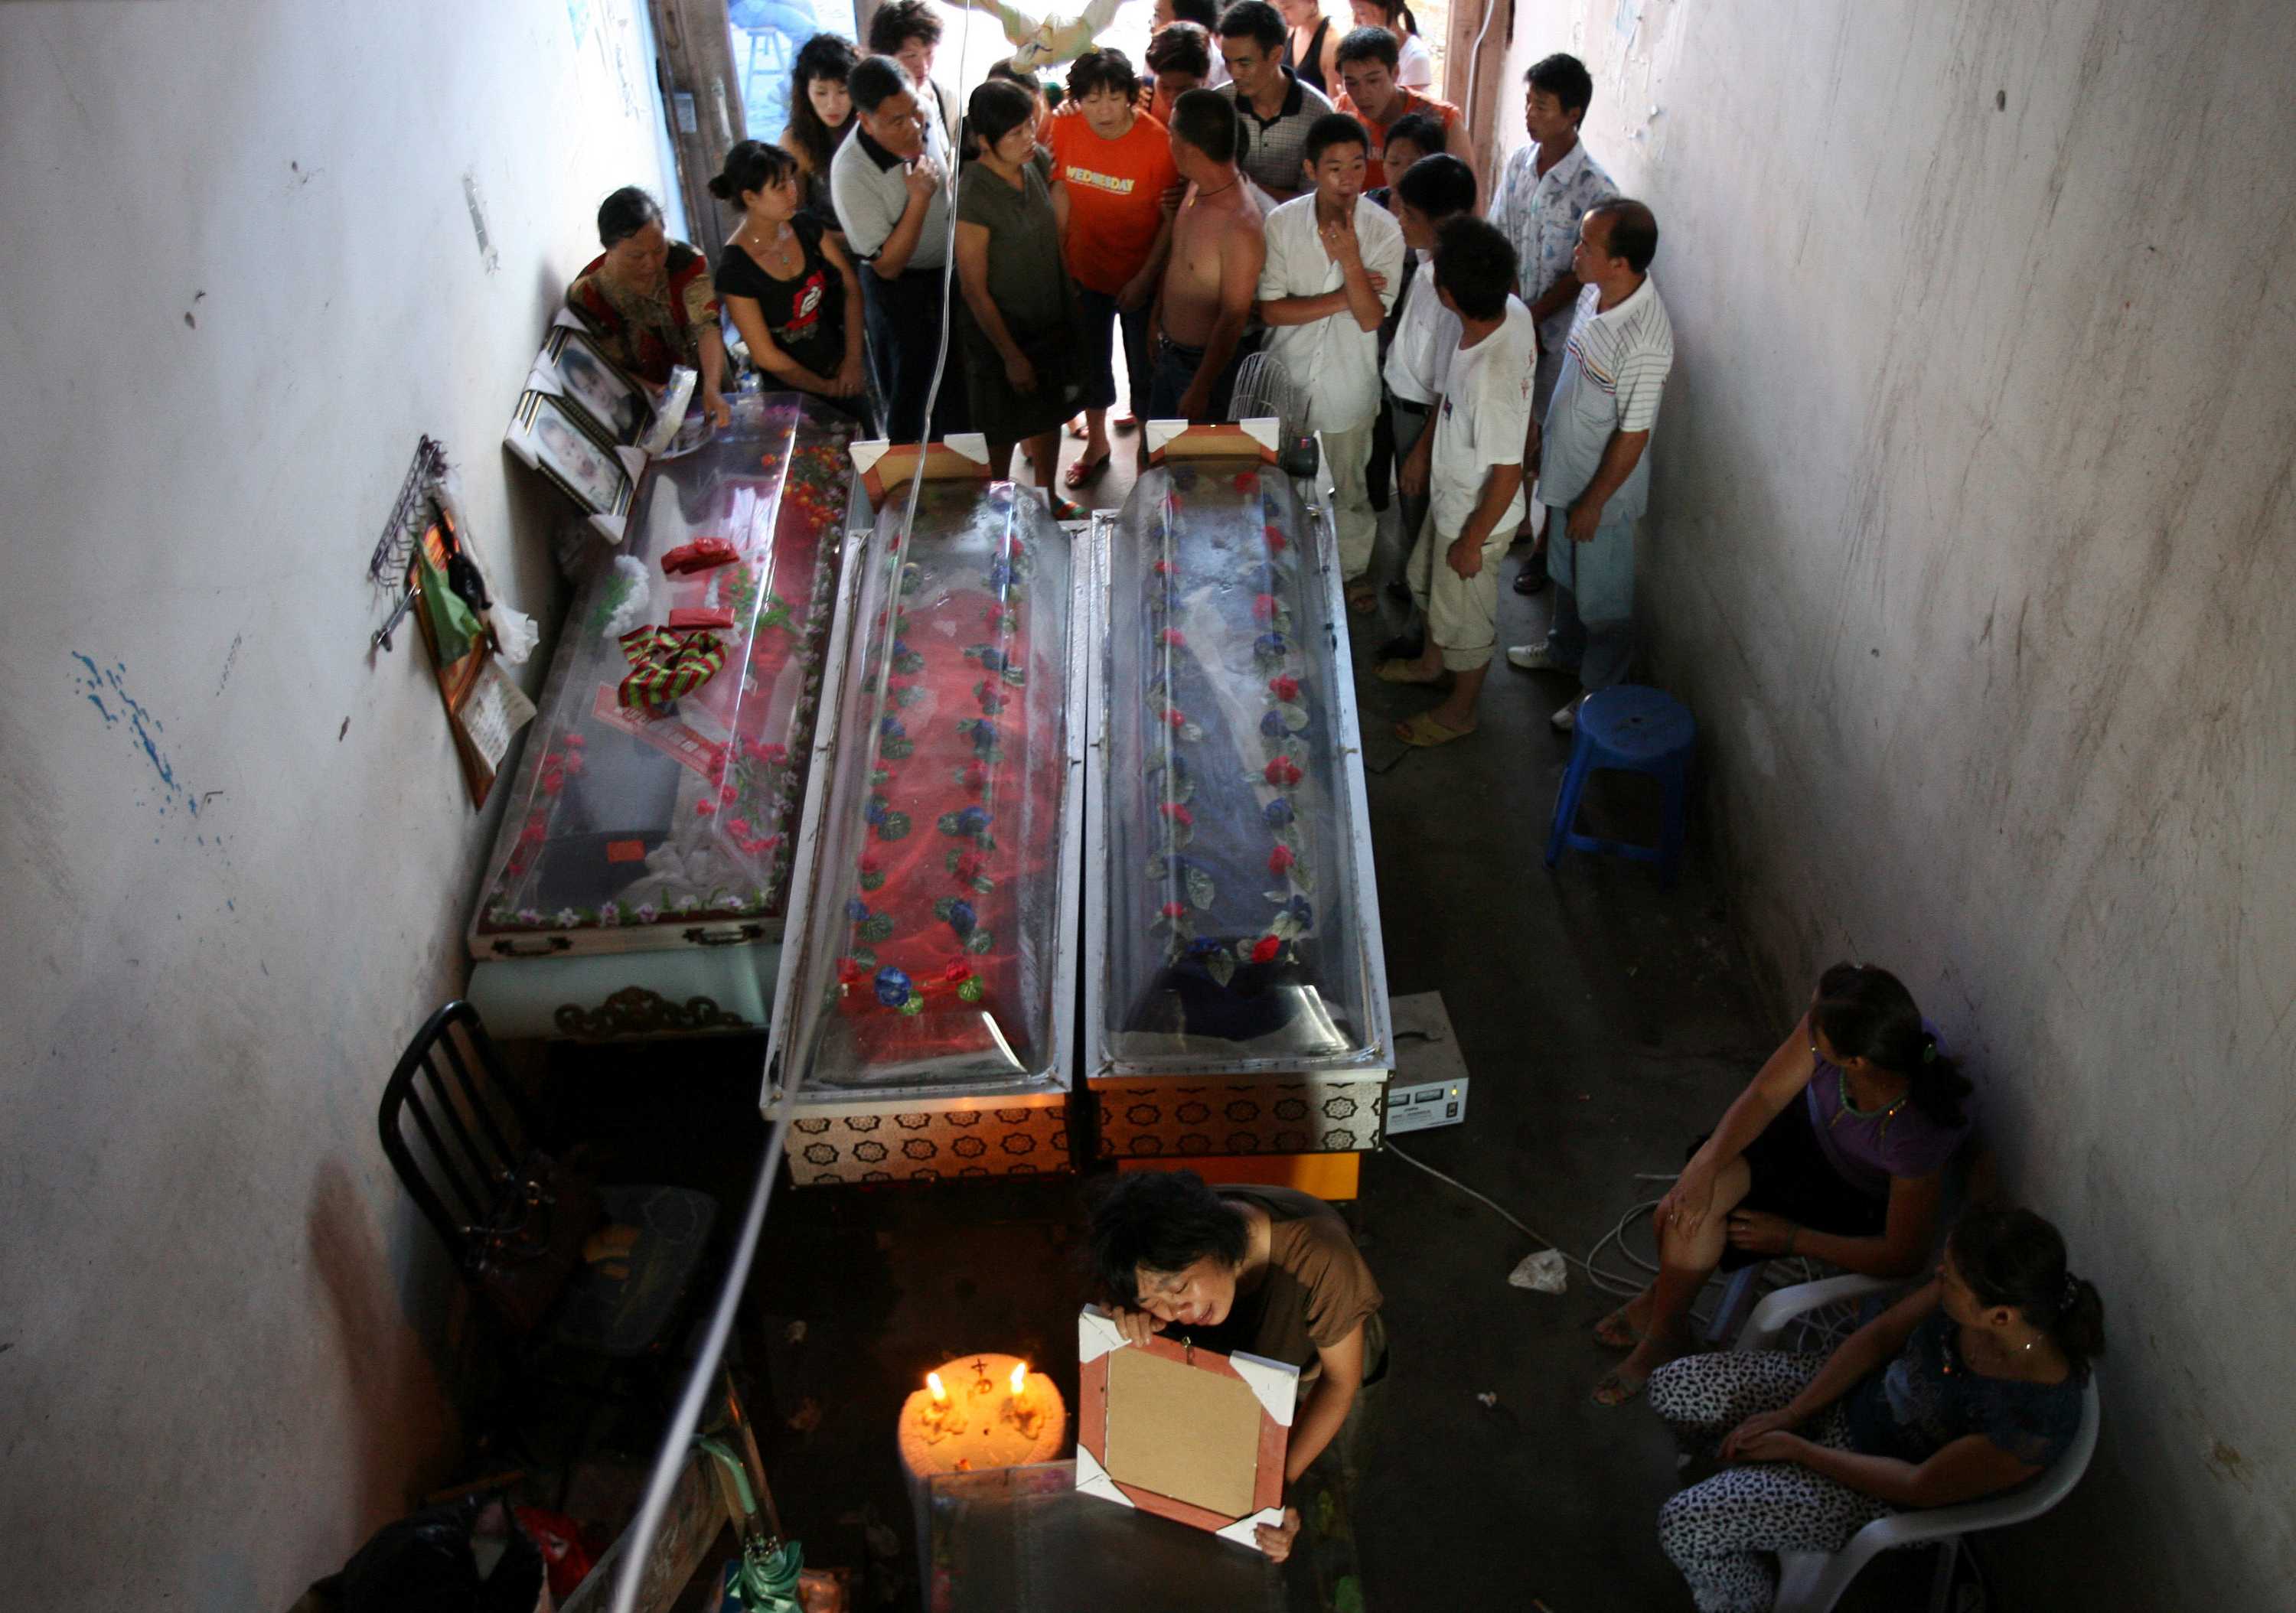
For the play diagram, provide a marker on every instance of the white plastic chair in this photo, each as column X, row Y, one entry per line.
column 1812, row 1582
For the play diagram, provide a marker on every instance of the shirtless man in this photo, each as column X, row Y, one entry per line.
column 1213, row 274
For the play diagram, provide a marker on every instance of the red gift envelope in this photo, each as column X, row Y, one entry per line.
column 702, row 619
column 699, row 555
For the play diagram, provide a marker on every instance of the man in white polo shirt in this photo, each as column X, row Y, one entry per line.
column 1334, row 264
column 886, row 185
column 1594, row 472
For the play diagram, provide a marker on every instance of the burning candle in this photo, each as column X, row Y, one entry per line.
column 940, row 1390
column 1019, row 1381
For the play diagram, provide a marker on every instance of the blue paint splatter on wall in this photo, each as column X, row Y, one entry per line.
column 108, row 692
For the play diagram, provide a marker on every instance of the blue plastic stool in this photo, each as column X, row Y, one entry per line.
column 1633, row 730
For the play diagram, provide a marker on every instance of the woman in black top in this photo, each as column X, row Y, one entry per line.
column 1307, row 52
column 820, row 117
column 789, row 289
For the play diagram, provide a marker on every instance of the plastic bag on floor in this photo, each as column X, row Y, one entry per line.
column 1544, row 1272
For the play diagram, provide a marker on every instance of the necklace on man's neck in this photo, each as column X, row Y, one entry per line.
column 1203, row 193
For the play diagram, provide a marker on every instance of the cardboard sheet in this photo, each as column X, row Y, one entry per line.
column 1189, row 1435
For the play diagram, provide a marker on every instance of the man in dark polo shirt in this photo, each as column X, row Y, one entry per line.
column 1276, row 109
column 1265, row 1270
column 886, row 183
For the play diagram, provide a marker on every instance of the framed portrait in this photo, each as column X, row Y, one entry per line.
column 555, row 439
column 617, row 406
column 1187, row 1434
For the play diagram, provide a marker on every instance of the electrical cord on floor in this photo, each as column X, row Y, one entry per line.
column 1493, row 1205
column 1608, row 1282
column 1817, row 1330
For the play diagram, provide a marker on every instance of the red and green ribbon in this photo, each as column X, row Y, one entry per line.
column 665, row 664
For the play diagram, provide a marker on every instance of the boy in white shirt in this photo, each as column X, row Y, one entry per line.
column 1334, row 264
column 1427, row 195
column 1472, row 459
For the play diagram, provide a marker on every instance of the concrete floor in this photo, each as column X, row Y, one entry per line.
column 1603, row 1022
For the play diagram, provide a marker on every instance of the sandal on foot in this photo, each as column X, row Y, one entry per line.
column 1085, row 469
column 1616, row 1387
column 1615, row 1332
column 1425, row 732
column 1362, row 596
column 1078, row 429
column 1405, row 672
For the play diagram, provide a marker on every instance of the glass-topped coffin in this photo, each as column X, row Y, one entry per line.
column 657, row 798
column 937, row 903
column 1236, row 913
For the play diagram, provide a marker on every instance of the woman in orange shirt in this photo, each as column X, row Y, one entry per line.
column 1115, row 164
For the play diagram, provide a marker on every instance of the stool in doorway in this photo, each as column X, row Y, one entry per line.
column 1630, row 729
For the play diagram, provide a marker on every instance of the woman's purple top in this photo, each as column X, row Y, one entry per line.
column 1867, row 1153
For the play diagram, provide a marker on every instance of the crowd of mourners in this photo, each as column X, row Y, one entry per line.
column 1489, row 353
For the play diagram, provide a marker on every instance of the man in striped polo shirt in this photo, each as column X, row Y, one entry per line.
column 1594, row 472
column 1275, row 109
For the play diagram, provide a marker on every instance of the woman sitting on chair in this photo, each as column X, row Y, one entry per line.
column 1836, row 1152
column 1962, row 1390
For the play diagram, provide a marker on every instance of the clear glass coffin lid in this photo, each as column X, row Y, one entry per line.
column 932, row 915
column 659, row 785
column 1239, row 928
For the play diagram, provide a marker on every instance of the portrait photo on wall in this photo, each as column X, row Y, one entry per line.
column 616, row 405
column 558, row 441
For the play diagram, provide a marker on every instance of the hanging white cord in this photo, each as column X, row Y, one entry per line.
column 1475, row 61
column 669, row 1462
column 947, row 306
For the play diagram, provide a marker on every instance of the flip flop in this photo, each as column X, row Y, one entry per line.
column 1362, row 596
column 1068, row 509
column 1084, row 471
column 1425, row 732
column 1615, row 1332
column 1616, row 1388
column 1405, row 672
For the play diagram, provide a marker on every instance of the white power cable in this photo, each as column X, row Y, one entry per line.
column 669, row 1463
column 1817, row 1330
column 1530, row 1231
column 1475, row 61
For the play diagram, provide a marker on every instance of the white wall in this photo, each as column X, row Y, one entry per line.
column 239, row 276
column 1970, row 547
